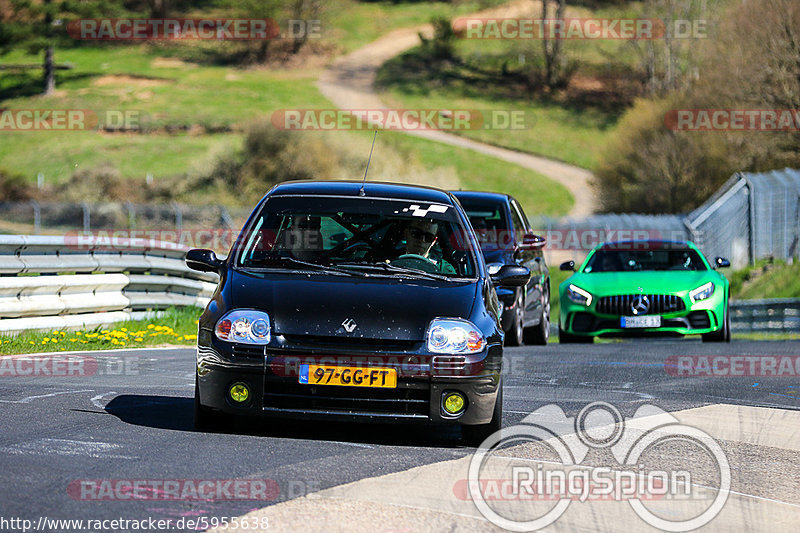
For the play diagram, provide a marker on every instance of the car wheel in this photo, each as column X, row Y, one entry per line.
column 567, row 338
column 475, row 435
column 514, row 337
column 204, row 418
column 723, row 334
column 540, row 333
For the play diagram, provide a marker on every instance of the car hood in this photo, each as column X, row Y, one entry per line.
column 661, row 282
column 382, row 308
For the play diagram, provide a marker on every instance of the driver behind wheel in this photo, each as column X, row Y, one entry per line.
column 421, row 236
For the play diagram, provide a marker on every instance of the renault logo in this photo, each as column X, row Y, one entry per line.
column 640, row 305
column 349, row 325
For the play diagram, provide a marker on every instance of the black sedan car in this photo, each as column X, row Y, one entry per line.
column 358, row 302
column 507, row 238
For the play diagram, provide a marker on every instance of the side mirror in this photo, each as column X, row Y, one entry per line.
column 721, row 262
column 531, row 240
column 568, row 266
column 203, row 260
column 512, row 276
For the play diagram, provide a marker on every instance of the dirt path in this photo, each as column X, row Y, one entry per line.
column 348, row 83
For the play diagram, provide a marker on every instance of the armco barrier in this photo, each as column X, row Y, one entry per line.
column 56, row 282
column 756, row 316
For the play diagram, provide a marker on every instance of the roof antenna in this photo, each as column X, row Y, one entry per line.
column 361, row 190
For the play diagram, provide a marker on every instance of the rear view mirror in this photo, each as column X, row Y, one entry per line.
column 203, row 260
column 512, row 276
column 721, row 262
column 531, row 240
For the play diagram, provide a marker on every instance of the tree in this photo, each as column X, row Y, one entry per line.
column 40, row 26
column 554, row 59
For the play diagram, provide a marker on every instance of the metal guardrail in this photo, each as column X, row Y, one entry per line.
column 59, row 282
column 756, row 316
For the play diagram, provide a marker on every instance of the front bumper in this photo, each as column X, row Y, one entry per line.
column 706, row 316
column 271, row 375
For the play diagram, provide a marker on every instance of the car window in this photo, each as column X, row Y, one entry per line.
column 358, row 233
column 489, row 221
column 645, row 260
column 519, row 227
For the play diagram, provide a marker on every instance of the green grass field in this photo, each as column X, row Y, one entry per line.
column 175, row 326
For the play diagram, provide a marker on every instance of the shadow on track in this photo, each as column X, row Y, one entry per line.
column 176, row 413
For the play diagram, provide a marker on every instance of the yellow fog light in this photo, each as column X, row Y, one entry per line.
column 453, row 403
column 239, row 392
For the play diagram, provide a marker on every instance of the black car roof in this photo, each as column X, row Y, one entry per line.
column 481, row 195
column 371, row 188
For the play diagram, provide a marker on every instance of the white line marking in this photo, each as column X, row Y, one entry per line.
column 96, row 399
column 29, row 399
column 67, row 447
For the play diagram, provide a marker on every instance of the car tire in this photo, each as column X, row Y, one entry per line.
column 540, row 333
column 723, row 334
column 515, row 335
column 475, row 435
column 567, row 338
column 205, row 418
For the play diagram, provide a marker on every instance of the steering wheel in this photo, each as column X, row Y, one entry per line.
column 357, row 250
column 416, row 261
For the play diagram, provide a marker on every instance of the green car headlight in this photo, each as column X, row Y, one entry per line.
column 702, row 292
column 578, row 295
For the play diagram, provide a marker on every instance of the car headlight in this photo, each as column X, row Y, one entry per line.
column 494, row 268
column 578, row 295
column 246, row 326
column 702, row 292
column 454, row 336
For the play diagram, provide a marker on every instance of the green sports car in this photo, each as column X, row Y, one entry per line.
column 639, row 288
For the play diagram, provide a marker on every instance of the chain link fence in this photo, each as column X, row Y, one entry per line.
column 751, row 217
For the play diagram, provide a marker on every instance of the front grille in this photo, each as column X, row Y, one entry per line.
column 660, row 304
column 245, row 351
column 449, row 364
column 360, row 343
column 406, row 399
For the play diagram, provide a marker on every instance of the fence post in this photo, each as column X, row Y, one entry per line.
column 86, row 217
column 37, row 217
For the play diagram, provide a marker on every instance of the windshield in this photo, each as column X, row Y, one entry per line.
column 490, row 223
column 638, row 260
column 349, row 235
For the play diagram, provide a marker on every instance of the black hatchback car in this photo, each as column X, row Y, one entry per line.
column 359, row 302
column 506, row 238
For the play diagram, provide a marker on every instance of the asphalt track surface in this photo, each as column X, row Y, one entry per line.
column 132, row 420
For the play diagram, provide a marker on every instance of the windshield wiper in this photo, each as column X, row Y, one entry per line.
column 389, row 268
column 286, row 260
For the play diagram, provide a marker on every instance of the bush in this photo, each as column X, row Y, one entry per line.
column 14, row 188
column 649, row 168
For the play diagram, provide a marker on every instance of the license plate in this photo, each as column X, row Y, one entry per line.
column 348, row 376
column 650, row 321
